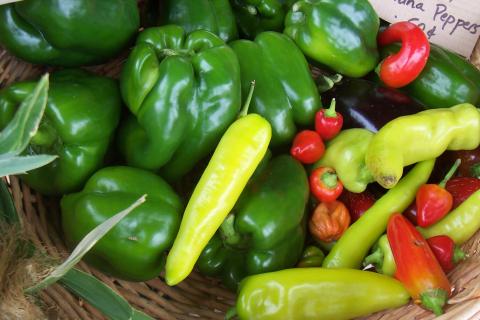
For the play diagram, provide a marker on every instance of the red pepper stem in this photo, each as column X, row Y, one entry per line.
column 458, row 255
column 434, row 300
column 330, row 112
column 245, row 107
column 329, row 179
column 450, row 173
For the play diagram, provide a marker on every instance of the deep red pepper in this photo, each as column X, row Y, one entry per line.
column 417, row 267
column 324, row 184
column 461, row 188
column 357, row 203
column 307, row 147
column 447, row 253
column 328, row 122
column 400, row 69
column 434, row 201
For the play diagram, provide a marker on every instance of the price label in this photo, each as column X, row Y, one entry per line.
column 453, row 24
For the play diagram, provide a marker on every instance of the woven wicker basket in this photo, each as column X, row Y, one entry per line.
column 198, row 297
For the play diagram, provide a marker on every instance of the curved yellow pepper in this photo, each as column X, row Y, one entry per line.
column 236, row 157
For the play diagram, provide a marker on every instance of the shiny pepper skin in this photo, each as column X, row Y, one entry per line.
column 324, row 184
column 329, row 221
column 307, row 147
column 446, row 252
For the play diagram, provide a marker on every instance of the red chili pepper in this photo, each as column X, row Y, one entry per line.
column 324, row 184
column 447, row 253
column 434, row 201
column 328, row 122
column 357, row 203
column 417, row 267
column 307, row 147
column 461, row 188
column 400, row 69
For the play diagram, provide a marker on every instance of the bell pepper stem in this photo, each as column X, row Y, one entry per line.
column 475, row 170
column 458, row 255
column 326, row 82
column 434, row 300
column 330, row 179
column 244, row 110
column 450, row 173
column 330, row 112
column 227, row 230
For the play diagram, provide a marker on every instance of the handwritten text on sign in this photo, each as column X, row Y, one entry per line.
column 454, row 24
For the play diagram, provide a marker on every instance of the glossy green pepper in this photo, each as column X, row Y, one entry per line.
column 316, row 293
column 446, row 80
column 215, row 16
column 255, row 16
column 346, row 154
column 80, row 118
column 341, row 34
column 421, row 136
column 460, row 224
column 350, row 250
column 285, row 93
column 135, row 248
column 311, row 257
column 183, row 92
column 68, row 32
column 382, row 257
column 266, row 229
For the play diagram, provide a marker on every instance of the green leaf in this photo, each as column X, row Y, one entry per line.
column 17, row 134
column 84, row 246
column 10, row 164
column 8, row 1
column 8, row 213
column 139, row 315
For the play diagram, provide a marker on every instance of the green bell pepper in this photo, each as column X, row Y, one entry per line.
column 183, row 92
column 446, row 80
column 256, row 16
column 68, row 32
column 266, row 230
column 340, row 34
column 135, row 248
column 285, row 93
column 346, row 154
column 81, row 115
column 215, row 16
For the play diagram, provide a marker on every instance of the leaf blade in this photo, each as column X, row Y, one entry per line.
column 11, row 165
column 8, row 213
column 15, row 137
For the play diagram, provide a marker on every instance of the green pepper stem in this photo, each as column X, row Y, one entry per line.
column 244, row 110
column 326, row 82
column 450, row 173
column 376, row 258
column 434, row 300
column 330, row 112
column 227, row 229
column 458, row 255
column 475, row 170
column 330, row 180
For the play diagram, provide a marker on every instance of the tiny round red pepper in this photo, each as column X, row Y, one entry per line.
column 324, row 184
column 447, row 253
column 307, row 147
column 434, row 201
column 328, row 122
column 417, row 266
column 400, row 69
column 461, row 188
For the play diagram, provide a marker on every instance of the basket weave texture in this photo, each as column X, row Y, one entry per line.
column 197, row 297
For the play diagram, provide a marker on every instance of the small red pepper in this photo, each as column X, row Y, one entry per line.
column 324, row 184
column 447, row 253
column 307, row 147
column 434, row 201
column 417, row 266
column 357, row 203
column 328, row 122
column 461, row 188
column 400, row 69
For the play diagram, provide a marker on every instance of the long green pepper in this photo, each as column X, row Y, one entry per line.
column 353, row 246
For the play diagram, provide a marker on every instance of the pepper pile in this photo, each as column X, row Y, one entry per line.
column 249, row 177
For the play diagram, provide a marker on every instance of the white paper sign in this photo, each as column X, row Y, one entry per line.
column 453, row 24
